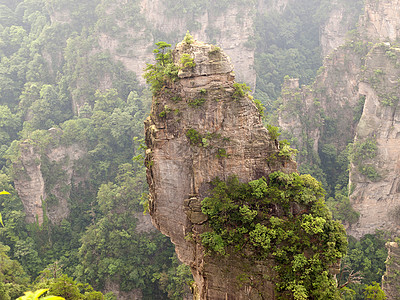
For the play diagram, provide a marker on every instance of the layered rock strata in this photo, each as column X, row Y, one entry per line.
column 199, row 129
column 381, row 20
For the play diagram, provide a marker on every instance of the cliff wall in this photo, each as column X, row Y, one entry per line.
column 44, row 178
column 313, row 115
column 229, row 29
column 381, row 20
column 355, row 99
column 341, row 19
column 198, row 131
column 375, row 182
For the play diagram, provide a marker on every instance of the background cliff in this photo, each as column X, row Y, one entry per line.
column 72, row 105
column 350, row 112
column 347, row 119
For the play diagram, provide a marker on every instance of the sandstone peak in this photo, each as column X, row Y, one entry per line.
column 201, row 127
column 208, row 59
column 204, row 126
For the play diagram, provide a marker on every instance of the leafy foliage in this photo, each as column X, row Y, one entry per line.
column 164, row 70
column 37, row 294
column 259, row 216
column 361, row 154
column 187, row 61
column 240, row 90
column 367, row 256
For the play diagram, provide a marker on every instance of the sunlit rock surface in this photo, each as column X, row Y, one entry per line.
column 234, row 142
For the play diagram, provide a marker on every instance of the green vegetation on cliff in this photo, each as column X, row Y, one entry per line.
column 284, row 219
column 54, row 75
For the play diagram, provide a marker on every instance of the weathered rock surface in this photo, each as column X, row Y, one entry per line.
column 44, row 178
column 332, row 112
column 381, row 20
column 229, row 29
column 341, row 20
column 378, row 200
column 334, row 95
column 231, row 140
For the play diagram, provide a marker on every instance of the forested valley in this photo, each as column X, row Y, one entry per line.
column 72, row 106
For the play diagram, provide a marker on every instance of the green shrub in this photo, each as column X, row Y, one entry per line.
column 240, row 90
column 222, row 153
column 194, row 136
column 187, row 61
column 273, row 132
column 196, row 102
column 188, row 39
column 163, row 71
column 303, row 245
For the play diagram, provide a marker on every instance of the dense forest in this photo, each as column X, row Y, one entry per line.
column 73, row 110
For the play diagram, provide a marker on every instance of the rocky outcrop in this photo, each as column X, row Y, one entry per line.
column 29, row 183
column 44, row 177
column 381, row 20
column 342, row 18
column 355, row 98
column 375, row 181
column 199, row 129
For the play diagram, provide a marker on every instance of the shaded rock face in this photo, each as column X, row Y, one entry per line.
column 199, row 130
column 378, row 199
column 335, row 94
column 332, row 111
column 381, row 20
column 333, row 33
column 114, row 287
column 42, row 192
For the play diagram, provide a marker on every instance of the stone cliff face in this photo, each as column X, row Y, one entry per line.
column 334, row 95
column 356, row 98
column 44, row 177
column 377, row 196
column 333, row 33
column 230, row 29
column 199, row 130
column 138, row 25
column 381, row 20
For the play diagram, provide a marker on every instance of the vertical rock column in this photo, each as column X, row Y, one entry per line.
column 201, row 127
